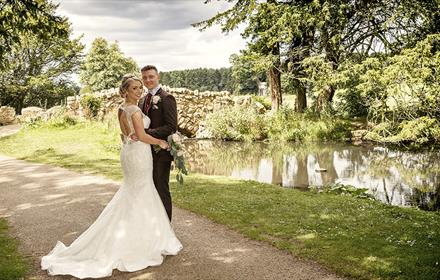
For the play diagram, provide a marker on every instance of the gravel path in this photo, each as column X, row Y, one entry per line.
column 44, row 204
column 9, row 129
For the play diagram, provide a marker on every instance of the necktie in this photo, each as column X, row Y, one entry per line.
column 147, row 103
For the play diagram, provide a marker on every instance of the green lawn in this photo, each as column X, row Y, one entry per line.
column 355, row 237
column 12, row 264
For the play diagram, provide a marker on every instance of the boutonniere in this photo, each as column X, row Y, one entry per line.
column 156, row 99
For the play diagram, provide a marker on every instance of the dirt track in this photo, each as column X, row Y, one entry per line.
column 44, row 204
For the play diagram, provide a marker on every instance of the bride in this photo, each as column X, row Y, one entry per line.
column 133, row 231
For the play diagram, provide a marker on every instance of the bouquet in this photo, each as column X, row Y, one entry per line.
column 176, row 150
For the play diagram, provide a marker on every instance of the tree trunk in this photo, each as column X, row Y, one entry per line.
column 275, row 80
column 301, row 97
column 300, row 49
column 275, row 88
column 20, row 105
column 301, row 100
column 325, row 98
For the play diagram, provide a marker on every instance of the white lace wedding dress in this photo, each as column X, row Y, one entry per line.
column 132, row 232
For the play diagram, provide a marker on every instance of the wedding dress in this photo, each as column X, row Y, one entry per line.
column 132, row 232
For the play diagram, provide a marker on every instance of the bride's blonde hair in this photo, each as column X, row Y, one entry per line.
column 125, row 82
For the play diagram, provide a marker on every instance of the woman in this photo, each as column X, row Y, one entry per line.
column 133, row 231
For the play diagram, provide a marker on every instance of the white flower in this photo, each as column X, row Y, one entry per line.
column 175, row 137
column 180, row 153
column 156, row 99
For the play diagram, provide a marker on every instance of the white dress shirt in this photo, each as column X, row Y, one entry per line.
column 154, row 90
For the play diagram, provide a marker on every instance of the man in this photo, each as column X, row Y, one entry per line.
column 161, row 108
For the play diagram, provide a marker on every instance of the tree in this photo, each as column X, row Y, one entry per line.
column 105, row 65
column 404, row 86
column 201, row 79
column 264, row 44
column 32, row 17
column 354, row 30
column 37, row 72
column 245, row 78
column 285, row 32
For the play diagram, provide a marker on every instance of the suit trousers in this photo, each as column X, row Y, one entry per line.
column 161, row 178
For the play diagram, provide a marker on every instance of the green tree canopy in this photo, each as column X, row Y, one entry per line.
column 201, row 79
column 104, row 66
column 19, row 17
column 282, row 33
column 245, row 74
column 38, row 71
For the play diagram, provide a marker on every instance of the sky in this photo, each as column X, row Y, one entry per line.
column 156, row 32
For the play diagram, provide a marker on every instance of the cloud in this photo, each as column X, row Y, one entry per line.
column 156, row 32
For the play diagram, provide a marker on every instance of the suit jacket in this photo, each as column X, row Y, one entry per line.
column 163, row 116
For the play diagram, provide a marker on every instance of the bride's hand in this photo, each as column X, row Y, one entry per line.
column 164, row 144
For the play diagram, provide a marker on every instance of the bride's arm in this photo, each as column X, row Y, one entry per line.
column 140, row 132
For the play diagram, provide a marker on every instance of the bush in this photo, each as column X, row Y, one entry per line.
column 263, row 100
column 335, row 130
column 412, row 134
column 61, row 121
column 236, row 124
column 283, row 125
column 91, row 104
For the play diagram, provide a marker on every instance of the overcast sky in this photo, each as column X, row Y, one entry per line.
column 156, row 32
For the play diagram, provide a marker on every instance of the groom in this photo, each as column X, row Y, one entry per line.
column 160, row 107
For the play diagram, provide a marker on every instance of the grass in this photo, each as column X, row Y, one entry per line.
column 355, row 237
column 12, row 264
column 359, row 238
column 89, row 146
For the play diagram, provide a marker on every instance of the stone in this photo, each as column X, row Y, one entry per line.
column 259, row 107
column 73, row 103
column 358, row 135
column 53, row 112
column 31, row 113
column 7, row 115
column 203, row 132
column 243, row 101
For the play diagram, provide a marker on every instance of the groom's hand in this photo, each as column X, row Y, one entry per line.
column 134, row 137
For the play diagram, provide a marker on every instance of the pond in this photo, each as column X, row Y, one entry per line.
column 393, row 177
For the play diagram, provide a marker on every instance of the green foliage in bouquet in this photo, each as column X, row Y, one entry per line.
column 176, row 150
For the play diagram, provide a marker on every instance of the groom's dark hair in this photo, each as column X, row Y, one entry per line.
column 149, row 67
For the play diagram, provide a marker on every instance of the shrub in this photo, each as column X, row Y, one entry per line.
column 236, row 124
column 283, row 125
column 330, row 130
column 413, row 134
column 61, row 121
column 91, row 104
column 263, row 100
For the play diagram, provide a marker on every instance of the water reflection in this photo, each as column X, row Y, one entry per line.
column 394, row 177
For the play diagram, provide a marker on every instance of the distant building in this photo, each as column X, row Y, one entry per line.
column 262, row 88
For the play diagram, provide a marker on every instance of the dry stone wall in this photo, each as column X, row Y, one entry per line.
column 192, row 106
